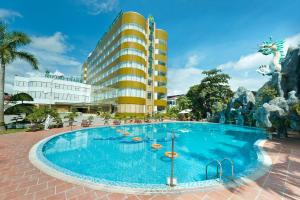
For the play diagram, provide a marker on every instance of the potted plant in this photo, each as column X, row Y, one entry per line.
column 71, row 118
column 107, row 117
column 90, row 119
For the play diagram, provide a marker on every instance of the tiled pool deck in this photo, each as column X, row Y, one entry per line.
column 19, row 179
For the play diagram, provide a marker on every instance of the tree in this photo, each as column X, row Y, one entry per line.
column 71, row 118
column 10, row 42
column 183, row 103
column 39, row 116
column 19, row 109
column 213, row 90
column 21, row 97
column 265, row 94
column 172, row 112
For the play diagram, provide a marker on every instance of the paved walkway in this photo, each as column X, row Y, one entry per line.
column 19, row 179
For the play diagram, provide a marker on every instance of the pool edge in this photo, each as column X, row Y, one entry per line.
column 263, row 158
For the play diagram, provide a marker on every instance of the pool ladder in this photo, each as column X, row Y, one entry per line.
column 219, row 167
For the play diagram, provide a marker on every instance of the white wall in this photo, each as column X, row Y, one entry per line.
column 50, row 91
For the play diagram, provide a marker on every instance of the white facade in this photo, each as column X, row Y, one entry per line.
column 52, row 89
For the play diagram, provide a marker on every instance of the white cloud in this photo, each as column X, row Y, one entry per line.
column 250, row 83
column 193, row 60
column 293, row 41
column 242, row 71
column 254, row 60
column 180, row 80
column 6, row 14
column 100, row 6
column 51, row 52
column 239, row 69
column 54, row 43
column 250, row 61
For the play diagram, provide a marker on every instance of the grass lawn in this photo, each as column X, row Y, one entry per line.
column 12, row 131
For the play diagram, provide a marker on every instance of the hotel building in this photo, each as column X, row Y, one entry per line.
column 63, row 93
column 128, row 66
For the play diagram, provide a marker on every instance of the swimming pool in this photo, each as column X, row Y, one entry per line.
column 104, row 155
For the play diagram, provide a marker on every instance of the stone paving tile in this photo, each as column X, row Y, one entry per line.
column 19, row 179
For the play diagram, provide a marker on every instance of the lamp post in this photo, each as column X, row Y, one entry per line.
column 172, row 163
column 171, row 181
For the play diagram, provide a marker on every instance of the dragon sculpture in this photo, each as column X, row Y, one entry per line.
column 275, row 48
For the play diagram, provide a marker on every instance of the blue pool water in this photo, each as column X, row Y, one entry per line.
column 104, row 154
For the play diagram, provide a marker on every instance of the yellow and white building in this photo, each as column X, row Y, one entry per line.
column 128, row 66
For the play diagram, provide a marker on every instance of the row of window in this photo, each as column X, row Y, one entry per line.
column 117, row 67
column 161, row 96
column 117, row 55
column 127, row 108
column 160, row 73
column 125, row 92
column 92, row 65
column 129, row 26
column 58, row 96
column 101, row 57
column 160, row 41
column 160, row 62
column 49, row 85
column 160, row 52
column 122, row 78
column 161, row 84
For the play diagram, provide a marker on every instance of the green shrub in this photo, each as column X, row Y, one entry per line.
column 296, row 109
column 71, row 117
column 105, row 115
column 90, row 118
column 39, row 116
column 265, row 94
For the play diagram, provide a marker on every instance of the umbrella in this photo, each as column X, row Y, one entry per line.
column 186, row 111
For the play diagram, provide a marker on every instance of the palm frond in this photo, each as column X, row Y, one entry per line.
column 27, row 57
column 17, row 39
column 2, row 31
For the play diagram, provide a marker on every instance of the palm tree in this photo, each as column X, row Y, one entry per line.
column 10, row 42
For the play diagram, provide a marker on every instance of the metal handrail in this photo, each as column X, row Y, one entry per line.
column 232, row 165
column 219, row 164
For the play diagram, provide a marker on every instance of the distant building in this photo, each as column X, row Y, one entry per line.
column 172, row 99
column 54, row 89
column 128, row 66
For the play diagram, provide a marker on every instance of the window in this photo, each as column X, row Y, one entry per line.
column 56, row 96
column 149, row 95
column 159, row 73
column 161, row 63
column 161, row 96
column 21, row 83
column 161, row 84
column 160, row 52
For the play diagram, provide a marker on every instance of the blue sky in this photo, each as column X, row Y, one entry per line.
column 203, row 34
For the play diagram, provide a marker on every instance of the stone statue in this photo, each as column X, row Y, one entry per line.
column 208, row 116
column 280, row 113
column 240, row 117
column 277, row 111
column 274, row 68
column 47, row 122
column 222, row 117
